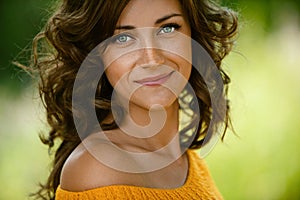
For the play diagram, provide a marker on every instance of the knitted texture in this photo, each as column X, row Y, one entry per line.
column 199, row 185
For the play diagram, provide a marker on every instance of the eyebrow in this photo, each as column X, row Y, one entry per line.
column 158, row 21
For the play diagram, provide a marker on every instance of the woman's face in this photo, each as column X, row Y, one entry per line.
column 148, row 59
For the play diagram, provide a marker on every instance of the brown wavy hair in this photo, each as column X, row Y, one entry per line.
column 77, row 27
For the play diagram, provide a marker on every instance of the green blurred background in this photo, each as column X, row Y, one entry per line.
column 262, row 162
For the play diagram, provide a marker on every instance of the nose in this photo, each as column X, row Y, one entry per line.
column 151, row 56
column 150, row 53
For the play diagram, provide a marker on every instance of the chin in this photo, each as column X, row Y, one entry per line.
column 155, row 101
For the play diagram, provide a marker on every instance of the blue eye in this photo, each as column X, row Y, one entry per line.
column 122, row 38
column 169, row 28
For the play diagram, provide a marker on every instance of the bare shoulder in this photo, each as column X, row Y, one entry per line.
column 83, row 170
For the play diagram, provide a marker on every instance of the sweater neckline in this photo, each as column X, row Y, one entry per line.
column 187, row 182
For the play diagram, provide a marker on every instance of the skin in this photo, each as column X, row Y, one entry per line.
column 152, row 52
column 158, row 51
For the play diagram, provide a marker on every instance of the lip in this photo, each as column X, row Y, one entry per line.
column 155, row 80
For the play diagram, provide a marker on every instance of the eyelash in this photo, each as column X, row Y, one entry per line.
column 172, row 25
column 115, row 39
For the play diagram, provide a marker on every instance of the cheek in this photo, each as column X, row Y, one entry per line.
column 112, row 75
column 182, row 65
column 181, row 56
column 179, row 47
column 114, row 72
column 186, row 70
column 119, row 69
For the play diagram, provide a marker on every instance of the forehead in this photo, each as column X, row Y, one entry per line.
column 146, row 12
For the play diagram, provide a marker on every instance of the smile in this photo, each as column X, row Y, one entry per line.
column 155, row 80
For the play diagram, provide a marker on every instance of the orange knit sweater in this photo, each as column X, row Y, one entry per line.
column 199, row 185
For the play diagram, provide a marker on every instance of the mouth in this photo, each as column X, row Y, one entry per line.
column 154, row 80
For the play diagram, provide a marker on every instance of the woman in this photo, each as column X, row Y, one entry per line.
column 147, row 53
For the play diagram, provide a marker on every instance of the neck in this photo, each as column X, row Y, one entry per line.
column 152, row 129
